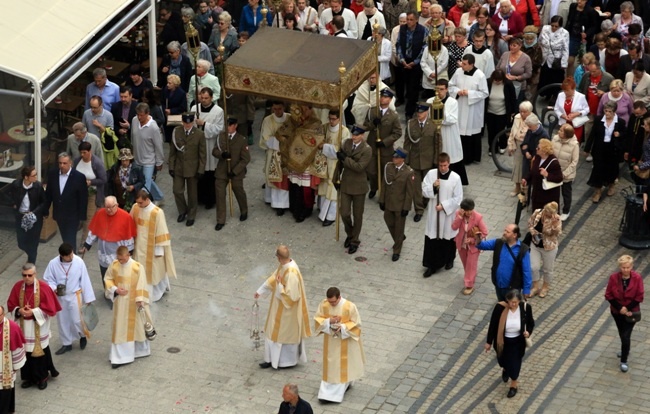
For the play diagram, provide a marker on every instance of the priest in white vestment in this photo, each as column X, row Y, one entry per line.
column 338, row 320
column 287, row 323
column 445, row 191
column 366, row 97
column 276, row 192
column 67, row 275
column 153, row 247
column 327, row 193
column 210, row 120
column 126, row 286
column 449, row 130
column 469, row 87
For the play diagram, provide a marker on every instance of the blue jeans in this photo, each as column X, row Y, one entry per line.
column 150, row 185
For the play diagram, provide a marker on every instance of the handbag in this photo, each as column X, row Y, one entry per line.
column 579, row 121
column 549, row 185
column 89, row 313
column 642, row 174
column 557, row 63
column 636, row 317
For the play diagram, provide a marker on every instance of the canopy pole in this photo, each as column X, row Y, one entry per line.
column 153, row 52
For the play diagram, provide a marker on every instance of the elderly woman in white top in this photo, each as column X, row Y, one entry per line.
column 516, row 138
column 394, row 34
column 554, row 40
column 625, row 18
column 384, row 54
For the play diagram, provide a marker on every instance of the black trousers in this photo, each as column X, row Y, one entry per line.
column 28, row 240
column 471, row 148
column 496, row 124
column 68, row 229
column 567, row 192
column 38, row 369
column 438, row 252
column 411, row 83
column 510, row 359
column 625, row 333
column 206, row 191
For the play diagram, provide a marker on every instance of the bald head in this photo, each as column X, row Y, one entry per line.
column 282, row 252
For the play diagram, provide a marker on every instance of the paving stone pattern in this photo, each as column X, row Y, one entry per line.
column 423, row 339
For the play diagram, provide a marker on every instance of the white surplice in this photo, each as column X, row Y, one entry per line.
column 471, row 108
column 268, row 142
column 449, row 195
column 213, row 126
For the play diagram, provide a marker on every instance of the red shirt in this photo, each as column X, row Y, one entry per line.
column 592, row 93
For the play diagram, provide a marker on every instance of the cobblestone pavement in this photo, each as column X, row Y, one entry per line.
column 423, row 339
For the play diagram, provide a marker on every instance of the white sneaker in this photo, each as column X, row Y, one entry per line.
column 624, row 367
column 589, row 158
column 502, row 150
column 563, row 217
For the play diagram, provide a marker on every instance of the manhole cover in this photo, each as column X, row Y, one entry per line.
column 360, row 259
column 173, row 350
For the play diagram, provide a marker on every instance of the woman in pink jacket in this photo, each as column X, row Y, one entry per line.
column 471, row 230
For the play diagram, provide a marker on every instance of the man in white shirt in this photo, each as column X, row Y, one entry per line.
column 308, row 17
column 337, row 9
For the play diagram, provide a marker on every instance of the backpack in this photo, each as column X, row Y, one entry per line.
column 517, row 278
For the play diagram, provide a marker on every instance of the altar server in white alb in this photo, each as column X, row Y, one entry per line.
column 469, row 87
column 67, row 275
column 445, row 192
column 338, row 320
column 287, row 323
column 327, row 192
column 126, row 286
column 276, row 189
column 449, row 130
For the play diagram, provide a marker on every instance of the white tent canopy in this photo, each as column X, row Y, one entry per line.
column 41, row 37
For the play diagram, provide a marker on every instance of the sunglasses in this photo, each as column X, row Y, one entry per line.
column 28, row 274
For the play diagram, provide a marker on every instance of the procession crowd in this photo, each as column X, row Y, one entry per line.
column 491, row 61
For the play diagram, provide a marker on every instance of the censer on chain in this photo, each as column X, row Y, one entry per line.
column 255, row 326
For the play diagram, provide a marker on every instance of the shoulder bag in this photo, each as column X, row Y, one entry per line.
column 529, row 342
column 549, row 185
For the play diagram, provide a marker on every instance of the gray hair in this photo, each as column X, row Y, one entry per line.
column 203, row 64
column 611, row 105
column 188, row 12
column 526, row 106
column 606, row 25
column 293, row 388
column 505, row 2
column 174, row 45
column 627, row 5
column 99, row 72
column 142, row 108
column 64, row 155
column 29, row 266
column 532, row 120
column 79, row 127
column 110, row 199
column 226, row 17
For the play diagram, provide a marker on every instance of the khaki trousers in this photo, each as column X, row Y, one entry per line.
column 186, row 207
column 352, row 209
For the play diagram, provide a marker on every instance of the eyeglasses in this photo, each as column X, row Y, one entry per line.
column 28, row 274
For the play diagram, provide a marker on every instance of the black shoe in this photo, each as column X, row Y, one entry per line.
column 279, row 212
column 265, row 365
column 181, row 218
column 429, row 272
column 417, row 218
column 372, row 194
column 327, row 223
column 353, row 248
column 54, row 373
column 504, row 376
column 347, row 241
column 209, row 206
column 218, row 227
column 63, row 350
column 449, row 265
column 243, row 217
column 189, row 223
column 83, row 342
column 395, row 257
column 116, row 366
column 300, row 219
column 26, row 384
column 512, row 392
column 42, row 385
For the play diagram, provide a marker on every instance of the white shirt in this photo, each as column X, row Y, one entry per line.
column 513, row 324
column 24, row 204
column 609, row 130
column 86, row 169
column 63, row 179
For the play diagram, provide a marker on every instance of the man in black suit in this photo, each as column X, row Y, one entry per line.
column 68, row 192
column 123, row 112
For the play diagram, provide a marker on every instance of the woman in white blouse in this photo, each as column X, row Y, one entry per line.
column 469, row 18
column 554, row 40
column 385, row 54
column 571, row 108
